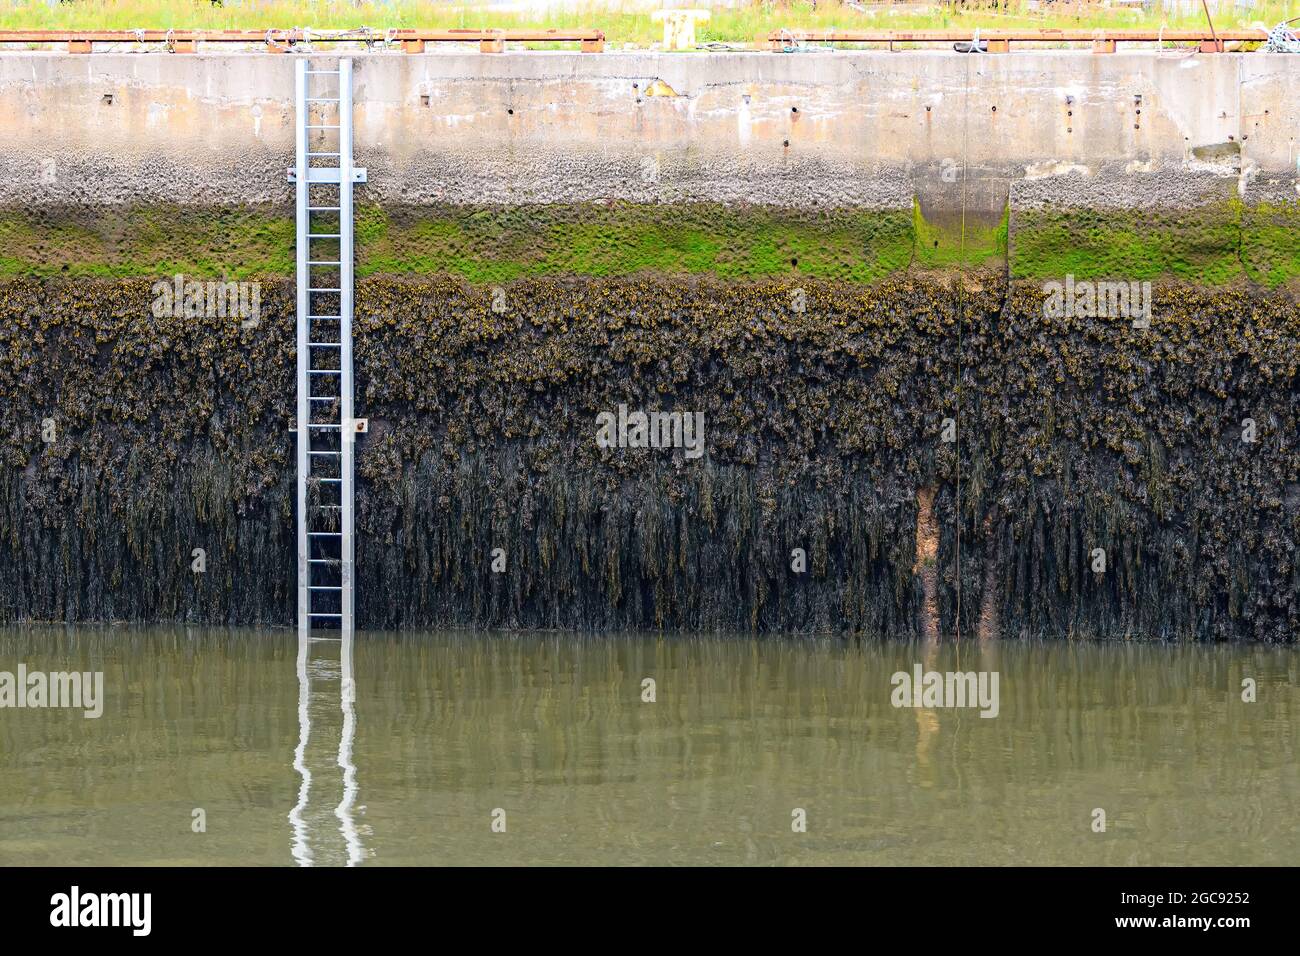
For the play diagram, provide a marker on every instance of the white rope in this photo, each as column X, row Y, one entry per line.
column 1282, row 39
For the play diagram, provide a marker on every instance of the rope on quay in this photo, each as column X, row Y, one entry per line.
column 1282, row 39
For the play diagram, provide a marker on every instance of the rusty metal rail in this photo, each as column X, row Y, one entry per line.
column 999, row 41
column 282, row 41
column 414, row 40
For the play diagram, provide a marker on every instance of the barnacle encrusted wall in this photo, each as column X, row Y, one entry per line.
column 825, row 350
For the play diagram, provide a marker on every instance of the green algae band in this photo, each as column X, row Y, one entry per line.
column 489, row 244
column 1215, row 244
column 131, row 440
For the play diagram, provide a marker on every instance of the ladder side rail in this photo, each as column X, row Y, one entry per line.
column 347, row 443
column 303, row 327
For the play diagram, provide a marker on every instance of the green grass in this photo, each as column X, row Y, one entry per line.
column 740, row 25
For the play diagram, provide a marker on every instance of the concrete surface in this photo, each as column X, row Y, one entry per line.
column 845, row 129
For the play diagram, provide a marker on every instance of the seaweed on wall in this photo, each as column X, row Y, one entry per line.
column 822, row 424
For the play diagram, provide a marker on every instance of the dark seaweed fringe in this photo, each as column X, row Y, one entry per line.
column 821, row 426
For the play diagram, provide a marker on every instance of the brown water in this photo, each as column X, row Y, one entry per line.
column 446, row 728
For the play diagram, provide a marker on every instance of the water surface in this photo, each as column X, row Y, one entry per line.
column 406, row 762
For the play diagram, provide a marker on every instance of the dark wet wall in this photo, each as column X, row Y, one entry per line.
column 824, row 431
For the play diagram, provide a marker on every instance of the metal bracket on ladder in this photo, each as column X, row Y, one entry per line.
column 319, row 174
column 326, row 550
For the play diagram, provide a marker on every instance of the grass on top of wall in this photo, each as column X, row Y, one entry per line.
column 622, row 22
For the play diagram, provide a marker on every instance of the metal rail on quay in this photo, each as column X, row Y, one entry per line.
column 1000, row 41
column 414, row 40
column 284, row 41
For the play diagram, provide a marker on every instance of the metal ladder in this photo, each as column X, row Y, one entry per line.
column 325, row 423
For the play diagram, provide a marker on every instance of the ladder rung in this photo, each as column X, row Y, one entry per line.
column 332, row 481
column 322, row 425
column 324, row 534
column 324, row 371
column 322, row 614
column 323, row 99
column 322, row 154
column 323, row 560
column 323, row 235
column 332, row 318
column 323, row 587
column 322, row 289
column 323, row 398
column 324, row 452
column 321, row 126
column 325, row 345
column 321, row 72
